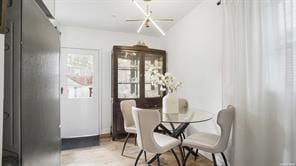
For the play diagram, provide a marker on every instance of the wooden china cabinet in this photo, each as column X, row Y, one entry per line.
column 130, row 80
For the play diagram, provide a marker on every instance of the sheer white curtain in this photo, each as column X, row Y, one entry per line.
column 259, row 79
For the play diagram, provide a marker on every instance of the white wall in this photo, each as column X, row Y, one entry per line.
column 1, row 88
column 194, row 47
column 75, row 37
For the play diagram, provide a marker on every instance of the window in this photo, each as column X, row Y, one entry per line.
column 79, row 75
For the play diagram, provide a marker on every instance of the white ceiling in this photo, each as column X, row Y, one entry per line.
column 111, row 14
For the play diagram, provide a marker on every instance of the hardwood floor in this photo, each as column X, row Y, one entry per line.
column 108, row 154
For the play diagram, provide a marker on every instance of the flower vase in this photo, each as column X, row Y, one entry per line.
column 170, row 103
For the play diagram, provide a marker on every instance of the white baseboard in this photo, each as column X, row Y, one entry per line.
column 105, row 131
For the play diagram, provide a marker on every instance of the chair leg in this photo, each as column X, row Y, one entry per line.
column 183, row 135
column 145, row 155
column 152, row 160
column 196, row 154
column 224, row 158
column 158, row 160
column 214, row 159
column 138, row 157
column 187, row 156
column 128, row 135
column 178, row 161
column 135, row 139
column 182, row 154
column 181, row 138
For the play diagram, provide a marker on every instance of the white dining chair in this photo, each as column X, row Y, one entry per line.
column 183, row 105
column 213, row 143
column 146, row 120
column 183, row 108
column 129, row 124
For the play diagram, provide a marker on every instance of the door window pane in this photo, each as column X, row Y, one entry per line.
column 128, row 75
column 79, row 76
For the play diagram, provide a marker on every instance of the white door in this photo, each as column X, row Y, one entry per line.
column 80, row 114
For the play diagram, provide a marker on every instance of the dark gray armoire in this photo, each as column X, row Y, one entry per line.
column 31, row 133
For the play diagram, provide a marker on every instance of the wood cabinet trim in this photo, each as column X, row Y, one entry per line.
column 156, row 102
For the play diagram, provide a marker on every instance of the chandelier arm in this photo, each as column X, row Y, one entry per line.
column 140, row 8
column 143, row 23
column 157, row 27
column 150, row 18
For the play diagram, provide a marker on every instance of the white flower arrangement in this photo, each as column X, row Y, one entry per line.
column 167, row 81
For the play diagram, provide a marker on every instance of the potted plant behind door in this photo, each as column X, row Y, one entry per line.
column 166, row 82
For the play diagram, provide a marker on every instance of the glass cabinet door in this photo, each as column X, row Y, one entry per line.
column 155, row 61
column 128, row 75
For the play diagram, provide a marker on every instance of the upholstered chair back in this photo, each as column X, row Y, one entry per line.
column 126, row 109
column 225, row 121
column 183, row 105
column 146, row 120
